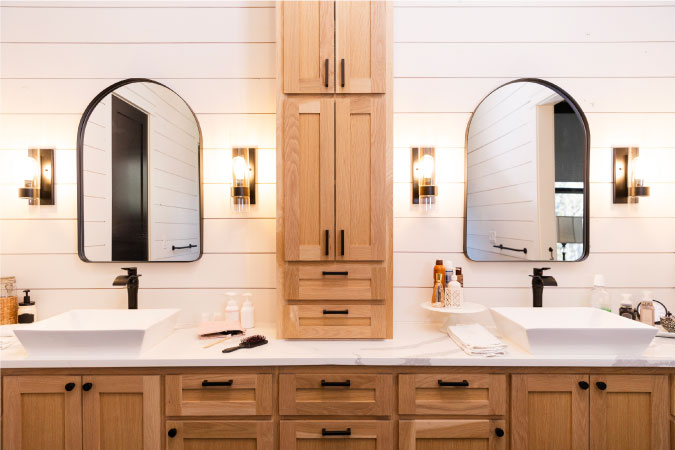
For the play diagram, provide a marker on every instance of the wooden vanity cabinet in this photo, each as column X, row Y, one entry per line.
column 220, row 435
column 452, row 434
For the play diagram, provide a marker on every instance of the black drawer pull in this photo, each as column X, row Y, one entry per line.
column 206, row 383
column 342, row 242
column 70, row 386
column 87, row 386
column 583, row 385
column 601, row 385
column 345, row 273
column 326, row 83
column 172, row 432
column 462, row 383
column 336, row 311
column 345, row 383
column 499, row 432
column 342, row 72
column 327, row 237
column 347, row 432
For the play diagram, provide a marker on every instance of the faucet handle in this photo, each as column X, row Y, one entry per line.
column 539, row 272
column 131, row 271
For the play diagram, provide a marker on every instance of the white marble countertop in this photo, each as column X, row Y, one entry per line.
column 413, row 345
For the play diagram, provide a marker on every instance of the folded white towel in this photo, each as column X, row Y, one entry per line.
column 474, row 339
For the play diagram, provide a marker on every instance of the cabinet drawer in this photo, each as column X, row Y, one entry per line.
column 330, row 321
column 336, row 395
column 336, row 434
column 221, row 435
column 440, row 393
column 219, row 395
column 452, row 434
column 335, row 282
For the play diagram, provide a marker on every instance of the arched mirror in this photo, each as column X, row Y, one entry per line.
column 139, row 176
column 527, row 166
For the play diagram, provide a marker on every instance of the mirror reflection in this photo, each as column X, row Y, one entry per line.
column 139, row 150
column 527, row 176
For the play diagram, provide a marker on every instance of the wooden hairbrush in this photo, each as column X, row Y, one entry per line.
column 249, row 342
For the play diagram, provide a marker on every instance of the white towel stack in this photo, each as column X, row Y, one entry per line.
column 474, row 339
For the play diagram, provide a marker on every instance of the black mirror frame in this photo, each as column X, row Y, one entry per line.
column 587, row 165
column 80, row 155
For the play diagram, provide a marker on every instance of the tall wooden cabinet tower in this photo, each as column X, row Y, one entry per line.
column 334, row 169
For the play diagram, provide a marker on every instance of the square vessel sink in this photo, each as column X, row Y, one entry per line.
column 572, row 331
column 97, row 333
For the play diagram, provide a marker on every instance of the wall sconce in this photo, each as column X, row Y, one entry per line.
column 424, row 189
column 37, row 171
column 243, row 178
column 629, row 182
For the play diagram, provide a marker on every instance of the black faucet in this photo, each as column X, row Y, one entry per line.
column 539, row 280
column 130, row 280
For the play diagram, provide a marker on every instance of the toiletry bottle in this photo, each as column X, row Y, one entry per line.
column 438, row 297
column 456, row 293
column 438, row 268
column 247, row 312
column 449, row 270
column 600, row 295
column 27, row 309
column 8, row 301
column 460, row 275
column 647, row 312
column 232, row 311
column 626, row 309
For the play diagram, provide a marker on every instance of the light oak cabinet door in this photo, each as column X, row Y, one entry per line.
column 629, row 412
column 42, row 412
column 361, row 168
column 309, row 190
column 550, row 412
column 309, row 61
column 452, row 434
column 336, row 435
column 360, row 46
column 121, row 412
column 219, row 435
column 335, row 282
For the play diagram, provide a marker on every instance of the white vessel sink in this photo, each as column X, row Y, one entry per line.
column 572, row 331
column 97, row 333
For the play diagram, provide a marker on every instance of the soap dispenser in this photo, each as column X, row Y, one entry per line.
column 600, row 295
column 27, row 310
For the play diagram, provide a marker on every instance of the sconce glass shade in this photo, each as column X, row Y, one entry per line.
column 36, row 172
column 242, row 171
column 629, row 176
column 424, row 177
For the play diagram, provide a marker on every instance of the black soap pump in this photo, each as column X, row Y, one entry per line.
column 27, row 310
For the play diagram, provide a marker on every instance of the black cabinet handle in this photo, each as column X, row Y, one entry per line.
column 601, row 385
column 347, row 432
column 325, row 273
column 345, row 383
column 87, row 386
column 70, row 386
column 173, row 247
column 327, row 241
column 206, row 383
column 342, row 72
column 499, row 432
column 172, row 432
column 342, row 242
column 326, row 83
column 583, row 385
column 336, row 311
column 462, row 383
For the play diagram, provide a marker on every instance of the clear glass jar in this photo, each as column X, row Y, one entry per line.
column 8, row 301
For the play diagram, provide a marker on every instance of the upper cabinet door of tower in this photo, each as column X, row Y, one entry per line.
column 362, row 200
column 309, row 34
column 361, row 33
column 309, row 178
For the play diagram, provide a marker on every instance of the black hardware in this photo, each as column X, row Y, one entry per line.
column 173, row 247
column 345, row 383
column 342, row 242
column 327, row 237
column 601, row 385
column 326, row 83
column 345, row 273
column 539, row 280
column 130, row 280
column 501, row 247
column 70, row 386
column 462, row 383
column 347, row 432
column 172, row 432
column 206, row 383
column 499, row 432
column 342, row 72
column 583, row 385
column 87, row 386
column 333, row 311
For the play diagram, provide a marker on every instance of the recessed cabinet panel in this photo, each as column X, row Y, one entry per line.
column 309, row 64
column 452, row 435
column 336, row 435
column 360, row 46
column 335, row 282
column 361, row 168
column 309, row 191
column 324, row 320
column 220, row 435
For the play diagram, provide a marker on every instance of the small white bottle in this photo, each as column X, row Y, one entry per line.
column 247, row 312
column 600, row 297
column 456, row 293
column 232, row 309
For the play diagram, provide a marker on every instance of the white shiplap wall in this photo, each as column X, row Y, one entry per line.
column 617, row 61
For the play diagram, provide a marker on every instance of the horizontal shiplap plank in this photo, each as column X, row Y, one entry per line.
column 211, row 271
column 253, row 60
column 240, row 235
column 217, row 202
column 657, row 164
column 633, row 235
column 13, row 207
column 140, row 24
column 534, row 60
column 448, row 203
column 527, row 24
column 440, row 234
column 659, row 204
column 38, row 236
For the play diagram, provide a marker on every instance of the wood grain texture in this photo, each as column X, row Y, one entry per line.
column 451, row 435
column 221, row 435
column 308, row 321
column 364, row 435
column 314, row 282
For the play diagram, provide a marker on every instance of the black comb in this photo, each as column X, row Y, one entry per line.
column 249, row 342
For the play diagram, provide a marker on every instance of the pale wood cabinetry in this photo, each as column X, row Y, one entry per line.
column 336, row 434
column 452, row 434
column 220, row 435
